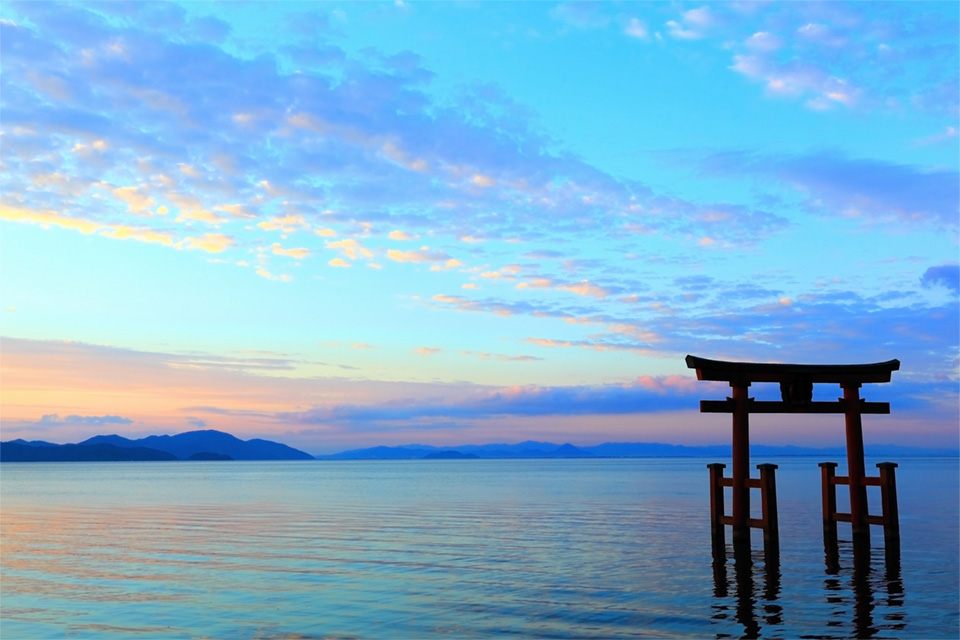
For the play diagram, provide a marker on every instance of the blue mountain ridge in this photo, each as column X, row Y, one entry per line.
column 18, row 452
column 197, row 445
column 34, row 443
column 184, row 445
column 216, row 445
column 545, row 450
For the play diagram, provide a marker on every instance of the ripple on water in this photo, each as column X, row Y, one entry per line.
column 557, row 549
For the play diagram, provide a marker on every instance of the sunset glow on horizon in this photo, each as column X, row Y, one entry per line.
column 343, row 224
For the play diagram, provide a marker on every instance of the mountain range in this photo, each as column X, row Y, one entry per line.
column 217, row 445
column 544, row 450
column 207, row 444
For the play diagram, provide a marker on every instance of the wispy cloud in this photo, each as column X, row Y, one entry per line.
column 53, row 418
column 945, row 275
column 834, row 184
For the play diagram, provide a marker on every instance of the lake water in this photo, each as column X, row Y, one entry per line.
column 610, row 548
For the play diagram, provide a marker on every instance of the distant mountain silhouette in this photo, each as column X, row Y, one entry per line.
column 35, row 443
column 216, row 445
column 450, row 455
column 409, row 452
column 192, row 445
column 207, row 455
column 17, row 452
column 184, row 445
column 546, row 450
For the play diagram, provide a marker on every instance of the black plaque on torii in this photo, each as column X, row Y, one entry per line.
column 796, row 391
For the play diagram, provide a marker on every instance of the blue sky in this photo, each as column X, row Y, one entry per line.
column 347, row 224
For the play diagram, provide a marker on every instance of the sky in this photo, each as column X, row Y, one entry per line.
column 343, row 224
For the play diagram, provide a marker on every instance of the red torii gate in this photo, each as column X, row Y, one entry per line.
column 796, row 391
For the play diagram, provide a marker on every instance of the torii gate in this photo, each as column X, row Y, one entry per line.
column 796, row 391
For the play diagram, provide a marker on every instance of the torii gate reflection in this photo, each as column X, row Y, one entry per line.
column 796, row 391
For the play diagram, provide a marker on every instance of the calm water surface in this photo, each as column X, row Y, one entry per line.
column 461, row 549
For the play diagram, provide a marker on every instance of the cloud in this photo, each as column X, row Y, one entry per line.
column 235, row 210
column 200, row 215
column 298, row 253
column 44, row 218
column 585, row 288
column 424, row 254
column 287, row 223
column 351, row 248
column 499, row 356
column 263, row 272
column 582, row 14
column 124, row 232
column 483, row 181
column 797, row 79
column 837, row 185
column 52, row 218
column 645, row 396
column 693, row 24
column 210, row 242
column 636, row 28
column 427, row 351
column 363, row 134
column 821, row 34
column 53, row 418
column 536, row 283
column 946, row 136
column 764, row 41
column 452, row 263
column 945, row 275
column 137, row 201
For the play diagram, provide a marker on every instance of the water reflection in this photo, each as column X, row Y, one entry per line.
column 755, row 584
column 864, row 585
column 863, row 591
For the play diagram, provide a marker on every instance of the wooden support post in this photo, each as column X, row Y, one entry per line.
column 855, row 465
column 828, row 471
column 768, row 500
column 740, row 467
column 716, row 504
column 888, row 498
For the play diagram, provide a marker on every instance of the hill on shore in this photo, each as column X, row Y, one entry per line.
column 196, row 445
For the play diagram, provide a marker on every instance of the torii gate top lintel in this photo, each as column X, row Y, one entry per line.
column 746, row 372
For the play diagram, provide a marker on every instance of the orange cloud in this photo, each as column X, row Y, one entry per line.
column 200, row 215
column 124, row 232
column 424, row 254
column 585, row 288
column 350, row 248
column 210, row 242
column 235, row 210
column 292, row 253
column 45, row 218
column 536, row 283
column 136, row 200
column 452, row 263
column 287, row 223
